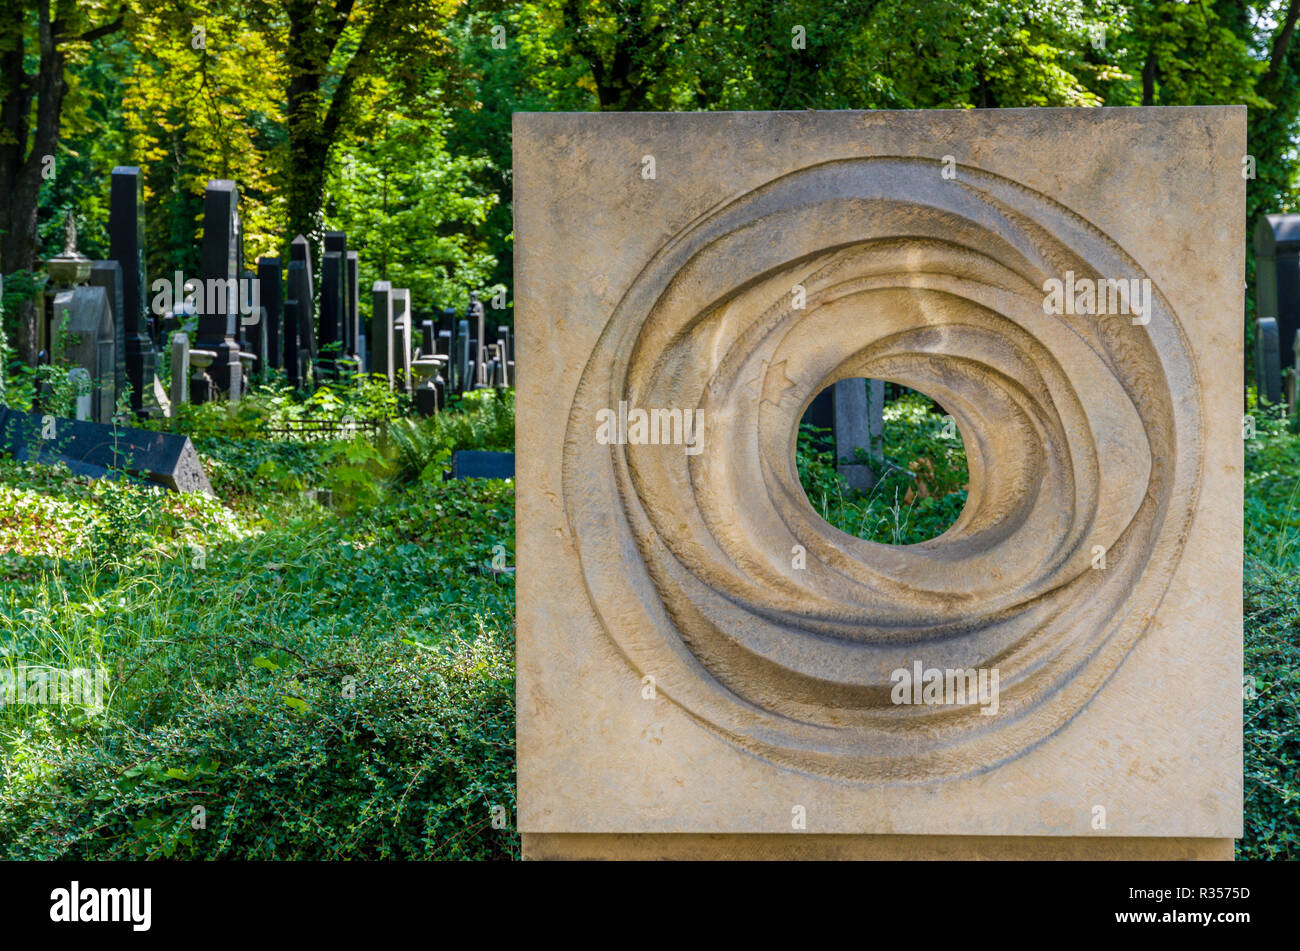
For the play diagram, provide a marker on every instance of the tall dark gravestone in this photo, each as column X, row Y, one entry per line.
column 381, row 330
column 271, row 291
column 295, row 354
column 351, row 301
column 220, row 272
column 304, row 292
column 337, row 242
column 292, row 358
column 331, row 311
column 1277, row 276
column 126, row 247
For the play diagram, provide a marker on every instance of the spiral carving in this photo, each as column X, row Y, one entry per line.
column 1081, row 431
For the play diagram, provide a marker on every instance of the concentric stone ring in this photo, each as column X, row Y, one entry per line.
column 935, row 284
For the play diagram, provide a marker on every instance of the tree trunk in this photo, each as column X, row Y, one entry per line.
column 20, row 174
column 22, row 170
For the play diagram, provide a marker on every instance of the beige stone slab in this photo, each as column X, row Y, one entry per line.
column 550, row 846
column 922, row 242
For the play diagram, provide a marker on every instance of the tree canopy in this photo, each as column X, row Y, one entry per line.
column 390, row 119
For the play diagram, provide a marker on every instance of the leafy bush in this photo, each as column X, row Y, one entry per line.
column 1272, row 695
column 919, row 495
column 230, row 690
column 373, row 751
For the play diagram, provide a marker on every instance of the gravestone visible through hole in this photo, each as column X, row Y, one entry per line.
column 917, row 462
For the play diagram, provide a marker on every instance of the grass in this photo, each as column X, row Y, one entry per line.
column 284, row 680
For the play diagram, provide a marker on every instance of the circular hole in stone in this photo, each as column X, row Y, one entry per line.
column 882, row 462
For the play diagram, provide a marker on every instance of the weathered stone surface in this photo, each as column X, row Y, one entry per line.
column 83, row 335
column 108, row 275
column 680, row 673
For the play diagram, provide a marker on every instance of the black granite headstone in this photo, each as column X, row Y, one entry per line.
column 381, row 331
column 293, row 356
column 98, row 450
column 1277, row 276
column 220, row 268
column 126, row 247
column 304, row 292
column 476, row 464
column 270, row 290
column 351, row 289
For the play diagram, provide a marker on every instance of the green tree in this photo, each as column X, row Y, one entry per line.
column 38, row 40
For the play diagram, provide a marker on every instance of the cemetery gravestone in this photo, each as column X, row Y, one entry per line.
column 381, row 331
column 479, row 464
column 474, row 312
column 402, row 336
column 82, row 392
column 1293, row 377
column 100, row 450
column 302, row 288
column 1277, row 275
column 461, row 343
column 126, row 247
column 220, row 273
column 108, row 275
column 180, row 388
column 352, row 336
column 293, row 356
column 271, row 293
column 331, row 310
column 705, row 668
column 506, row 355
column 859, row 424
column 82, row 335
column 1268, row 361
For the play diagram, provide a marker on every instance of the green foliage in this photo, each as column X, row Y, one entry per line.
column 1272, row 695
column 326, row 682
column 413, row 210
column 1272, row 637
column 921, row 491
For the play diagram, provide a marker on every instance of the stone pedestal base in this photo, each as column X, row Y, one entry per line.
column 796, row 847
